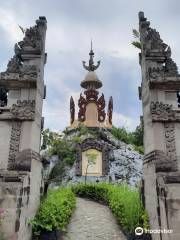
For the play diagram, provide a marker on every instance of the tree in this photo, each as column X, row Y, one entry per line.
column 138, row 135
column 48, row 138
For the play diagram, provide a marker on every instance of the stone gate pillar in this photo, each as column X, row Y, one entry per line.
column 161, row 116
column 21, row 97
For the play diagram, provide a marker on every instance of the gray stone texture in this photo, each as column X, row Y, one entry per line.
column 158, row 92
column 21, row 179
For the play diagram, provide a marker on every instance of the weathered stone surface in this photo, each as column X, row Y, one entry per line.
column 160, row 84
column 162, row 112
column 21, row 178
column 23, row 110
column 24, row 158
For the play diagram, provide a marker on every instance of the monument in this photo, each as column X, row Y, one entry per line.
column 92, row 157
column 159, row 93
column 22, row 92
column 91, row 106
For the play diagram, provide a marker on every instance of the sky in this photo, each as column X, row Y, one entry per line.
column 71, row 26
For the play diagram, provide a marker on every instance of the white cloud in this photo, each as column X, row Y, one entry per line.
column 121, row 120
column 9, row 24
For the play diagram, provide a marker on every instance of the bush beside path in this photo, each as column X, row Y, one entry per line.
column 93, row 221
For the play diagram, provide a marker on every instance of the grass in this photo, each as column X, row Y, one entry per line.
column 123, row 200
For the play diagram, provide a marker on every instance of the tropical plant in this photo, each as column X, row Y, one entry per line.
column 135, row 138
column 54, row 212
column 48, row 137
column 137, row 42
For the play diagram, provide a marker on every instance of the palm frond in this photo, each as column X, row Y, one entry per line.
column 22, row 29
column 136, row 33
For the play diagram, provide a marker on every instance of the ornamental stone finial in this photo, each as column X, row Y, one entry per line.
column 91, row 66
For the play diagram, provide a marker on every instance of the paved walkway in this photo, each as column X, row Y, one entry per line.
column 93, row 221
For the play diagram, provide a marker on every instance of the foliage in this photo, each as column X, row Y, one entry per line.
column 122, row 134
column 135, row 138
column 64, row 149
column 57, row 172
column 139, row 149
column 123, row 200
column 55, row 211
column 136, row 44
column 136, row 35
column 138, row 136
column 48, row 137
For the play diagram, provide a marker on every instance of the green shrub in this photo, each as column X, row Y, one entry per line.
column 123, row 200
column 55, row 211
column 139, row 149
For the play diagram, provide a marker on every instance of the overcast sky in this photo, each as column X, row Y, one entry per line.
column 71, row 26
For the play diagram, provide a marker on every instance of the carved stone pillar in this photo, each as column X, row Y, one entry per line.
column 161, row 118
column 20, row 130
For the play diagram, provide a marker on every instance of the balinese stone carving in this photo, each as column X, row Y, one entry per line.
column 154, row 47
column 72, row 109
column 110, row 110
column 170, row 141
column 19, row 73
column 32, row 40
column 160, row 74
column 14, row 143
column 91, row 96
column 23, row 160
column 23, row 110
column 170, row 67
column 150, row 38
column 162, row 112
column 14, row 65
column 3, row 97
column 29, row 72
column 161, row 161
column 93, row 144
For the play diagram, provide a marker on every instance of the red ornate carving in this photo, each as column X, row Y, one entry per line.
column 101, row 105
column 72, row 109
column 82, row 108
column 110, row 110
column 91, row 96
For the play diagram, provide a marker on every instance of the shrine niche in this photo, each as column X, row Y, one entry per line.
column 95, row 153
column 92, row 163
column 91, row 106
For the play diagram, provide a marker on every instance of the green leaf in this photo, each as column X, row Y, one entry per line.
column 136, row 44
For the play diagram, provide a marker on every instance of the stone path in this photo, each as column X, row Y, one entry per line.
column 92, row 221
